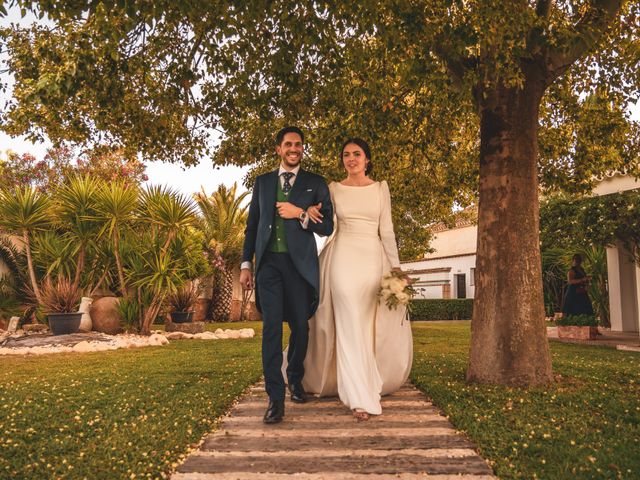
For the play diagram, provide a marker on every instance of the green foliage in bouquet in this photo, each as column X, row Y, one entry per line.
column 395, row 290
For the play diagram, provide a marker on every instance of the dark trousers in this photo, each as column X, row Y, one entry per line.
column 284, row 296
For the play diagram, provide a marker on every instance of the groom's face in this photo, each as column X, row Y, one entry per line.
column 290, row 150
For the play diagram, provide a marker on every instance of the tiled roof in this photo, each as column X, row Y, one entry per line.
column 465, row 218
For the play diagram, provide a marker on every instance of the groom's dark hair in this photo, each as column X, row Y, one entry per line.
column 289, row 129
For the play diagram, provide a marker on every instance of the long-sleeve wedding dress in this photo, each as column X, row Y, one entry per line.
column 358, row 348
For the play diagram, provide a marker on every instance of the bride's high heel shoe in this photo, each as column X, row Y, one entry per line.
column 361, row 415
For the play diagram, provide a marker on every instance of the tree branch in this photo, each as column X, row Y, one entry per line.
column 586, row 34
column 457, row 64
column 543, row 8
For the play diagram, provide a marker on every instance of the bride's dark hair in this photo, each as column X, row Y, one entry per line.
column 365, row 148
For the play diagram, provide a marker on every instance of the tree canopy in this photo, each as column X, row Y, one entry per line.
column 601, row 221
column 168, row 78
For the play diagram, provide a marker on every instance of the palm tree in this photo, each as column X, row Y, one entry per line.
column 167, row 211
column 116, row 206
column 76, row 203
column 12, row 285
column 223, row 220
column 23, row 212
column 155, row 273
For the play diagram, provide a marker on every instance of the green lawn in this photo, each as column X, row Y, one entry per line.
column 137, row 413
column 586, row 425
column 126, row 413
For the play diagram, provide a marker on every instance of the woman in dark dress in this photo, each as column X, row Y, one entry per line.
column 576, row 300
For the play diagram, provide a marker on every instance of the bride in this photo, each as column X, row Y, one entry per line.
column 358, row 348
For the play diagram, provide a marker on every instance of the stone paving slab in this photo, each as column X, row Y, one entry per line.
column 321, row 440
column 324, row 476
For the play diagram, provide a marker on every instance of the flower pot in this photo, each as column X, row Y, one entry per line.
column 181, row 317
column 577, row 333
column 64, row 323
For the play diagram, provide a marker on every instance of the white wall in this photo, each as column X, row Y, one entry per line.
column 457, row 265
column 455, row 250
column 457, row 241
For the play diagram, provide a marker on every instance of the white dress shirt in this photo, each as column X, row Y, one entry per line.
column 304, row 224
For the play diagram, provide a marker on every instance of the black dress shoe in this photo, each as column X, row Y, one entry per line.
column 298, row 395
column 275, row 411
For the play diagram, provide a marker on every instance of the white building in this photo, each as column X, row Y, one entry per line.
column 623, row 272
column 449, row 271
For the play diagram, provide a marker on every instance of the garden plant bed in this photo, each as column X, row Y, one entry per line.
column 42, row 343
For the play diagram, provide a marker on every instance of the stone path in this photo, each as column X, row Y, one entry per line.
column 321, row 440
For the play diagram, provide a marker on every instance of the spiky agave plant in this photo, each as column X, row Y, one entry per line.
column 60, row 295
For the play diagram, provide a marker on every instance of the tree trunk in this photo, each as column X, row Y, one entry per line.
column 116, row 252
column 508, row 336
column 150, row 314
column 79, row 266
column 222, row 294
column 32, row 272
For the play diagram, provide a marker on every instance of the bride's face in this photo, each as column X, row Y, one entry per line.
column 354, row 159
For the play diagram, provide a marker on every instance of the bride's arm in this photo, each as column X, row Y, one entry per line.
column 387, row 235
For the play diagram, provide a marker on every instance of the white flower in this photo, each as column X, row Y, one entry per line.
column 385, row 281
column 397, row 285
column 403, row 298
column 385, row 293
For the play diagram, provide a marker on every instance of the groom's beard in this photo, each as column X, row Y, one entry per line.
column 292, row 162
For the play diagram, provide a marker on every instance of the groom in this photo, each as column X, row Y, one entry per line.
column 288, row 206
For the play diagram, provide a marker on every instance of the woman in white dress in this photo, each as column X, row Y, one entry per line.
column 358, row 348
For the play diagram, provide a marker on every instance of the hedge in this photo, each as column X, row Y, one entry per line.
column 442, row 309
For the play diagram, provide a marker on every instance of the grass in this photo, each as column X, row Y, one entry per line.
column 120, row 414
column 586, row 425
column 138, row 413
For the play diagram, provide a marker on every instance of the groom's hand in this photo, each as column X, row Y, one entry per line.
column 246, row 279
column 288, row 210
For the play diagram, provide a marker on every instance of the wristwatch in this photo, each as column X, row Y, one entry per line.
column 303, row 216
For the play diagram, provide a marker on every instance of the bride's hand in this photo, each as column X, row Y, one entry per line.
column 314, row 213
column 403, row 275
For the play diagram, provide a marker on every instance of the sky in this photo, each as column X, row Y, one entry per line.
column 187, row 180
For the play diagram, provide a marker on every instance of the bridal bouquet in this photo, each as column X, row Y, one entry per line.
column 395, row 290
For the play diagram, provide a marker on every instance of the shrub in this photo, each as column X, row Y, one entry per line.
column 442, row 309
column 129, row 310
column 577, row 321
column 60, row 296
column 183, row 299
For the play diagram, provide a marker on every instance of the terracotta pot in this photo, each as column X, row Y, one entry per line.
column 105, row 315
column 577, row 333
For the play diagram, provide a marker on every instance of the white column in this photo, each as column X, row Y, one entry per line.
column 628, row 290
column 615, row 299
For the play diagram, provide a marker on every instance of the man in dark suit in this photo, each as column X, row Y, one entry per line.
column 288, row 206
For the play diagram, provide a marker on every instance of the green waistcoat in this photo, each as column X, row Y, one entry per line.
column 278, row 241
